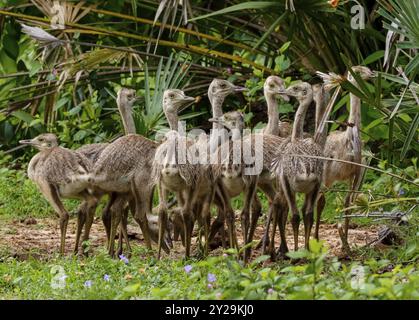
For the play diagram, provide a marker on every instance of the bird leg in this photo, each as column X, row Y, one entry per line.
column 190, row 196
column 270, row 192
column 250, row 193
column 177, row 222
column 123, row 230
column 50, row 192
column 106, row 214
column 143, row 204
column 255, row 213
column 308, row 210
column 230, row 216
column 282, row 223
column 162, row 218
column 90, row 214
column 206, row 217
column 274, row 213
column 81, row 218
column 218, row 223
column 292, row 204
column 117, row 210
column 321, row 202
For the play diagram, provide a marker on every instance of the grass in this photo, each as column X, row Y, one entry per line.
column 389, row 273
column 222, row 277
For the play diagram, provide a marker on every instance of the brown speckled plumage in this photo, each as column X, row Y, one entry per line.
column 295, row 167
column 60, row 173
column 124, row 157
column 338, row 146
column 296, row 173
column 92, row 151
column 58, row 166
column 344, row 145
column 172, row 152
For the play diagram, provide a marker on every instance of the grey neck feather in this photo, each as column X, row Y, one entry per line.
column 172, row 120
column 236, row 134
column 125, row 109
column 320, row 102
column 217, row 109
column 298, row 128
column 273, row 115
column 355, row 111
column 217, row 112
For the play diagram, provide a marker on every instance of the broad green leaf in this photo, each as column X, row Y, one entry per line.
column 255, row 5
column 373, row 57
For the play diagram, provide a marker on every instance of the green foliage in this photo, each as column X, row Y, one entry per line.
column 239, row 40
column 222, row 277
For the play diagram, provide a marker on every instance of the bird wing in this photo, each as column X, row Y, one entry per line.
column 124, row 157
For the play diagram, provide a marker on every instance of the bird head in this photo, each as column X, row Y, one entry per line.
column 174, row 99
column 231, row 120
column 301, row 91
column 126, row 97
column 223, row 88
column 364, row 72
column 42, row 142
column 273, row 86
column 317, row 90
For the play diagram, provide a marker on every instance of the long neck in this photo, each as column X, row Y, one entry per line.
column 298, row 128
column 319, row 99
column 127, row 118
column 172, row 120
column 236, row 134
column 273, row 115
column 217, row 110
column 355, row 111
column 320, row 106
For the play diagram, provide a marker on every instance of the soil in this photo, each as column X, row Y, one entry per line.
column 39, row 238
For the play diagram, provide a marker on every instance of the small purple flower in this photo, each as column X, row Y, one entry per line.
column 123, row 258
column 225, row 255
column 229, row 70
column 402, row 192
column 188, row 268
column 209, row 286
column 88, row 284
column 270, row 291
column 106, row 277
column 63, row 277
column 211, row 277
column 218, row 295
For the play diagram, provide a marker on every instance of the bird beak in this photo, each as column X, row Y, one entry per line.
column 240, row 89
column 284, row 96
column 187, row 102
column 27, row 142
column 216, row 120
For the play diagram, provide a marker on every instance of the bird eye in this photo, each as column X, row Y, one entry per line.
column 171, row 96
column 271, row 86
column 223, row 85
column 304, row 92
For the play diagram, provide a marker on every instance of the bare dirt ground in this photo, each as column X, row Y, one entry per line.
column 40, row 238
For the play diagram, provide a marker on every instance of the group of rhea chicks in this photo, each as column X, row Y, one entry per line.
column 132, row 167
